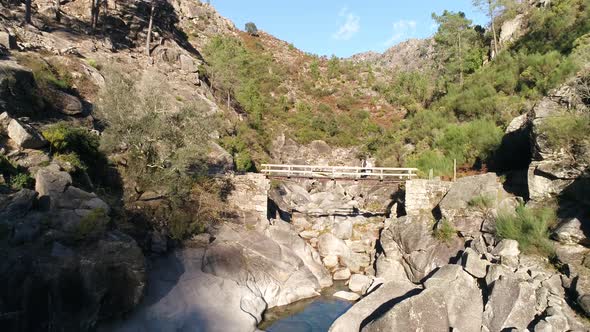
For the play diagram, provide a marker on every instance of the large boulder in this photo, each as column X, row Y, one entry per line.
column 7, row 40
column 281, row 272
column 17, row 206
column 570, row 231
column 102, row 281
column 473, row 200
column 18, row 90
column 67, row 205
column 473, row 263
column 179, row 294
column 51, row 183
column 510, row 305
column 25, row 136
column 409, row 243
column 352, row 320
column 63, row 102
column 450, row 301
column 219, row 161
column 330, row 245
column 359, row 283
column 555, row 168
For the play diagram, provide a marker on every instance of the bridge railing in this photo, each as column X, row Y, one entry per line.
column 338, row 172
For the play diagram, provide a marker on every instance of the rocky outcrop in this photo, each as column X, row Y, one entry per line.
column 7, row 40
column 71, row 288
column 352, row 320
column 67, row 205
column 180, row 295
column 342, row 220
column 487, row 293
column 411, row 252
column 450, row 301
column 63, row 102
column 279, row 271
column 473, row 201
column 570, row 231
column 555, row 168
column 219, row 161
column 24, row 135
column 285, row 150
column 511, row 30
column 18, row 90
column 413, row 54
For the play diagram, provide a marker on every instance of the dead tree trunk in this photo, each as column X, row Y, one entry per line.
column 28, row 11
column 491, row 13
column 58, row 10
column 93, row 14
column 105, row 12
column 150, row 25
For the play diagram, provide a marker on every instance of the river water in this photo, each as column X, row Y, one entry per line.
column 311, row 315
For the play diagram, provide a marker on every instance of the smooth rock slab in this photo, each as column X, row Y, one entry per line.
column 506, row 247
column 511, row 304
column 349, row 296
column 351, row 320
column 25, row 136
column 570, row 232
column 451, row 301
column 473, row 264
column 359, row 283
column 180, row 297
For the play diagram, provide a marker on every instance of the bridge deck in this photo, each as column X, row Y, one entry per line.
column 339, row 172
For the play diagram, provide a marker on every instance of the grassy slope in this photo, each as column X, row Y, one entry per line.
column 353, row 104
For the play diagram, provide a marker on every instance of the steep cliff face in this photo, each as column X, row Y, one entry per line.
column 557, row 165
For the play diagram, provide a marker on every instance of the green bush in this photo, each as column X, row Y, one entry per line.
column 444, row 231
column 530, row 227
column 481, row 202
column 440, row 164
column 567, row 130
column 182, row 225
column 64, row 137
column 21, row 181
column 93, row 63
column 92, row 225
column 243, row 162
column 77, row 146
column 46, row 74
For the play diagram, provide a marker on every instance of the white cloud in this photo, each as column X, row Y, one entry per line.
column 401, row 29
column 350, row 27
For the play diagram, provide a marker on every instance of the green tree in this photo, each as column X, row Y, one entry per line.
column 251, row 29
column 333, row 67
column 492, row 9
column 314, row 69
column 459, row 46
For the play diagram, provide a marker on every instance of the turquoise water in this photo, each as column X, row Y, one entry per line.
column 311, row 315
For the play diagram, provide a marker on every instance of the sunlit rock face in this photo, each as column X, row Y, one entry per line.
column 341, row 219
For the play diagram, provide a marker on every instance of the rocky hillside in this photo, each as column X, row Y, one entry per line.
column 112, row 151
column 410, row 55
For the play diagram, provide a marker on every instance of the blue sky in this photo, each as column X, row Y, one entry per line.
column 343, row 28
